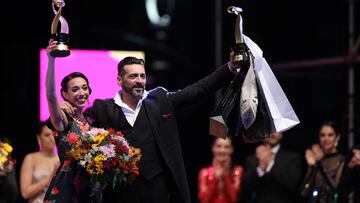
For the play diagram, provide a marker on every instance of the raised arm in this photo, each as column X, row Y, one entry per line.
column 57, row 116
column 206, row 86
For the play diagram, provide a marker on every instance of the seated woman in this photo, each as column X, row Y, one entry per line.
column 38, row 167
column 220, row 182
column 325, row 168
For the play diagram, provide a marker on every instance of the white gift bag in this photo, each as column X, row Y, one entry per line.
column 282, row 114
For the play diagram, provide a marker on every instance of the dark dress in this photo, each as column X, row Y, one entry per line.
column 71, row 183
column 323, row 180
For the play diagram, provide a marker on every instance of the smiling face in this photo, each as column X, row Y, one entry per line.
column 133, row 80
column 222, row 149
column 77, row 92
column 328, row 139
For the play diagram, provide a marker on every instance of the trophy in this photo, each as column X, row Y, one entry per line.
column 241, row 52
column 62, row 37
column 226, row 119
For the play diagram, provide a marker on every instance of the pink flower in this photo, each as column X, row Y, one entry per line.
column 84, row 128
column 108, row 150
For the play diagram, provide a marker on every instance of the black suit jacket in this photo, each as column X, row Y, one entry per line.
column 160, row 106
column 279, row 185
column 8, row 188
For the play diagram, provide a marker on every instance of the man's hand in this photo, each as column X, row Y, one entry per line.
column 264, row 155
column 232, row 66
column 318, row 152
column 66, row 107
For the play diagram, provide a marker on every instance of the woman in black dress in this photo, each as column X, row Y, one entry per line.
column 71, row 182
column 325, row 168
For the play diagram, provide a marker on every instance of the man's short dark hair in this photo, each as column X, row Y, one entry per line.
column 128, row 61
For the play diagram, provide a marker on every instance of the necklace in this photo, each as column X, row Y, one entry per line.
column 80, row 120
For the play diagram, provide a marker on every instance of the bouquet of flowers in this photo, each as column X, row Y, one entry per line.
column 6, row 163
column 106, row 156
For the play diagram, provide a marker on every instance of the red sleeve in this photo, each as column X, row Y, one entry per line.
column 206, row 185
column 232, row 182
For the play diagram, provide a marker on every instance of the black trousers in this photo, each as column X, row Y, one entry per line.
column 160, row 189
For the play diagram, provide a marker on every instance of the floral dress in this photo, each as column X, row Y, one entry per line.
column 71, row 182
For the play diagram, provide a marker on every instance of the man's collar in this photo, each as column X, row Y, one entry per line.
column 275, row 149
column 118, row 100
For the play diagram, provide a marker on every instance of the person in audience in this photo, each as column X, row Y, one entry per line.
column 38, row 167
column 272, row 174
column 326, row 166
column 354, row 170
column 8, row 186
column 221, row 181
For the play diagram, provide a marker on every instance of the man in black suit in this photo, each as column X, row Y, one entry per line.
column 272, row 174
column 147, row 118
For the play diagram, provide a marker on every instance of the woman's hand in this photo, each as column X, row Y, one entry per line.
column 318, row 152
column 355, row 159
column 51, row 45
column 310, row 157
column 221, row 167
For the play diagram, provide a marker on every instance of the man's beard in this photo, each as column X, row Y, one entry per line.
column 133, row 92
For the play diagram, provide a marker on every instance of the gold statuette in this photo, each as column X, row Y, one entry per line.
column 62, row 36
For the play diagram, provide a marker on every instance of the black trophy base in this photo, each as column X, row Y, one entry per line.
column 241, row 54
column 62, row 48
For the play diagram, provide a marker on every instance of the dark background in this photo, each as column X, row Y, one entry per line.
column 181, row 54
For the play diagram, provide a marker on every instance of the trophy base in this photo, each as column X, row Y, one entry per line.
column 62, row 48
column 241, row 54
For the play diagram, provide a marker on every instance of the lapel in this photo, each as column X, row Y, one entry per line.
column 117, row 118
column 280, row 159
column 152, row 113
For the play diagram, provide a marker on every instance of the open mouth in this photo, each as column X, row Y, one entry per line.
column 138, row 89
column 81, row 101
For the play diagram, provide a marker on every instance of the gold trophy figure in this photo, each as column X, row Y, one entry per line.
column 62, row 37
column 241, row 55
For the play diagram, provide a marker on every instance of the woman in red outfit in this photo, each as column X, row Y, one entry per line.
column 220, row 182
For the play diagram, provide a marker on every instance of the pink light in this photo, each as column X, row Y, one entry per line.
column 100, row 66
